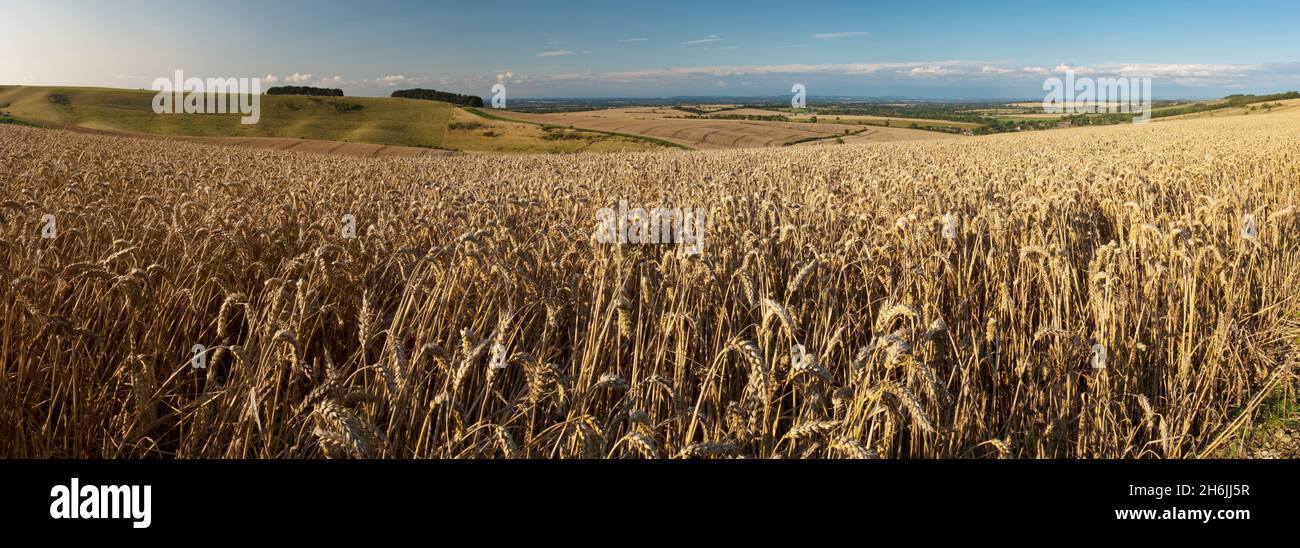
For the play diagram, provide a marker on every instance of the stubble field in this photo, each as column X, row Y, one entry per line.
column 716, row 134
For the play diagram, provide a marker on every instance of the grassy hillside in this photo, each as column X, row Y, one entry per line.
column 387, row 121
column 1227, row 109
column 377, row 120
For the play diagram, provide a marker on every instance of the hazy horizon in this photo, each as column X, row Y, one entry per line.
column 770, row 97
column 574, row 50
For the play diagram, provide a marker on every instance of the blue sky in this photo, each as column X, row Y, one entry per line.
column 643, row 49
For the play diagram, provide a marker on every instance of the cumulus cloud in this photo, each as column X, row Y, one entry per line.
column 271, row 78
column 297, row 78
column 555, row 53
column 930, row 70
column 1187, row 74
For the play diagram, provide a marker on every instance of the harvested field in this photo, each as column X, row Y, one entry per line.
column 467, row 131
column 750, row 112
column 697, row 133
column 877, row 134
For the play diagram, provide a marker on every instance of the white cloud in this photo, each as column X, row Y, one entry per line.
column 271, row 78
column 555, row 53
column 857, row 69
column 931, row 70
column 1187, row 74
column 837, row 35
column 588, row 52
column 929, row 73
column 635, row 40
column 709, row 39
column 391, row 80
column 297, row 78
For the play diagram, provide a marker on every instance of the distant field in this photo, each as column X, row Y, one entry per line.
column 893, row 122
column 748, row 112
column 467, row 131
column 850, row 119
column 880, row 134
column 1035, row 116
column 1037, row 104
column 714, row 108
column 671, row 125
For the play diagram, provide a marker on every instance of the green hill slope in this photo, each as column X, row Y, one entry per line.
column 385, row 121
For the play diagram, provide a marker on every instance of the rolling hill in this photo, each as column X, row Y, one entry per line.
column 384, row 121
column 385, row 125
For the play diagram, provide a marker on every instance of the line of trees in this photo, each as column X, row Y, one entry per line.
column 444, row 96
column 304, row 90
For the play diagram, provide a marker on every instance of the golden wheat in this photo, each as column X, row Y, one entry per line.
column 937, row 299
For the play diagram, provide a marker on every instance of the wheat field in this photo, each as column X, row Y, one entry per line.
column 1125, row 292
